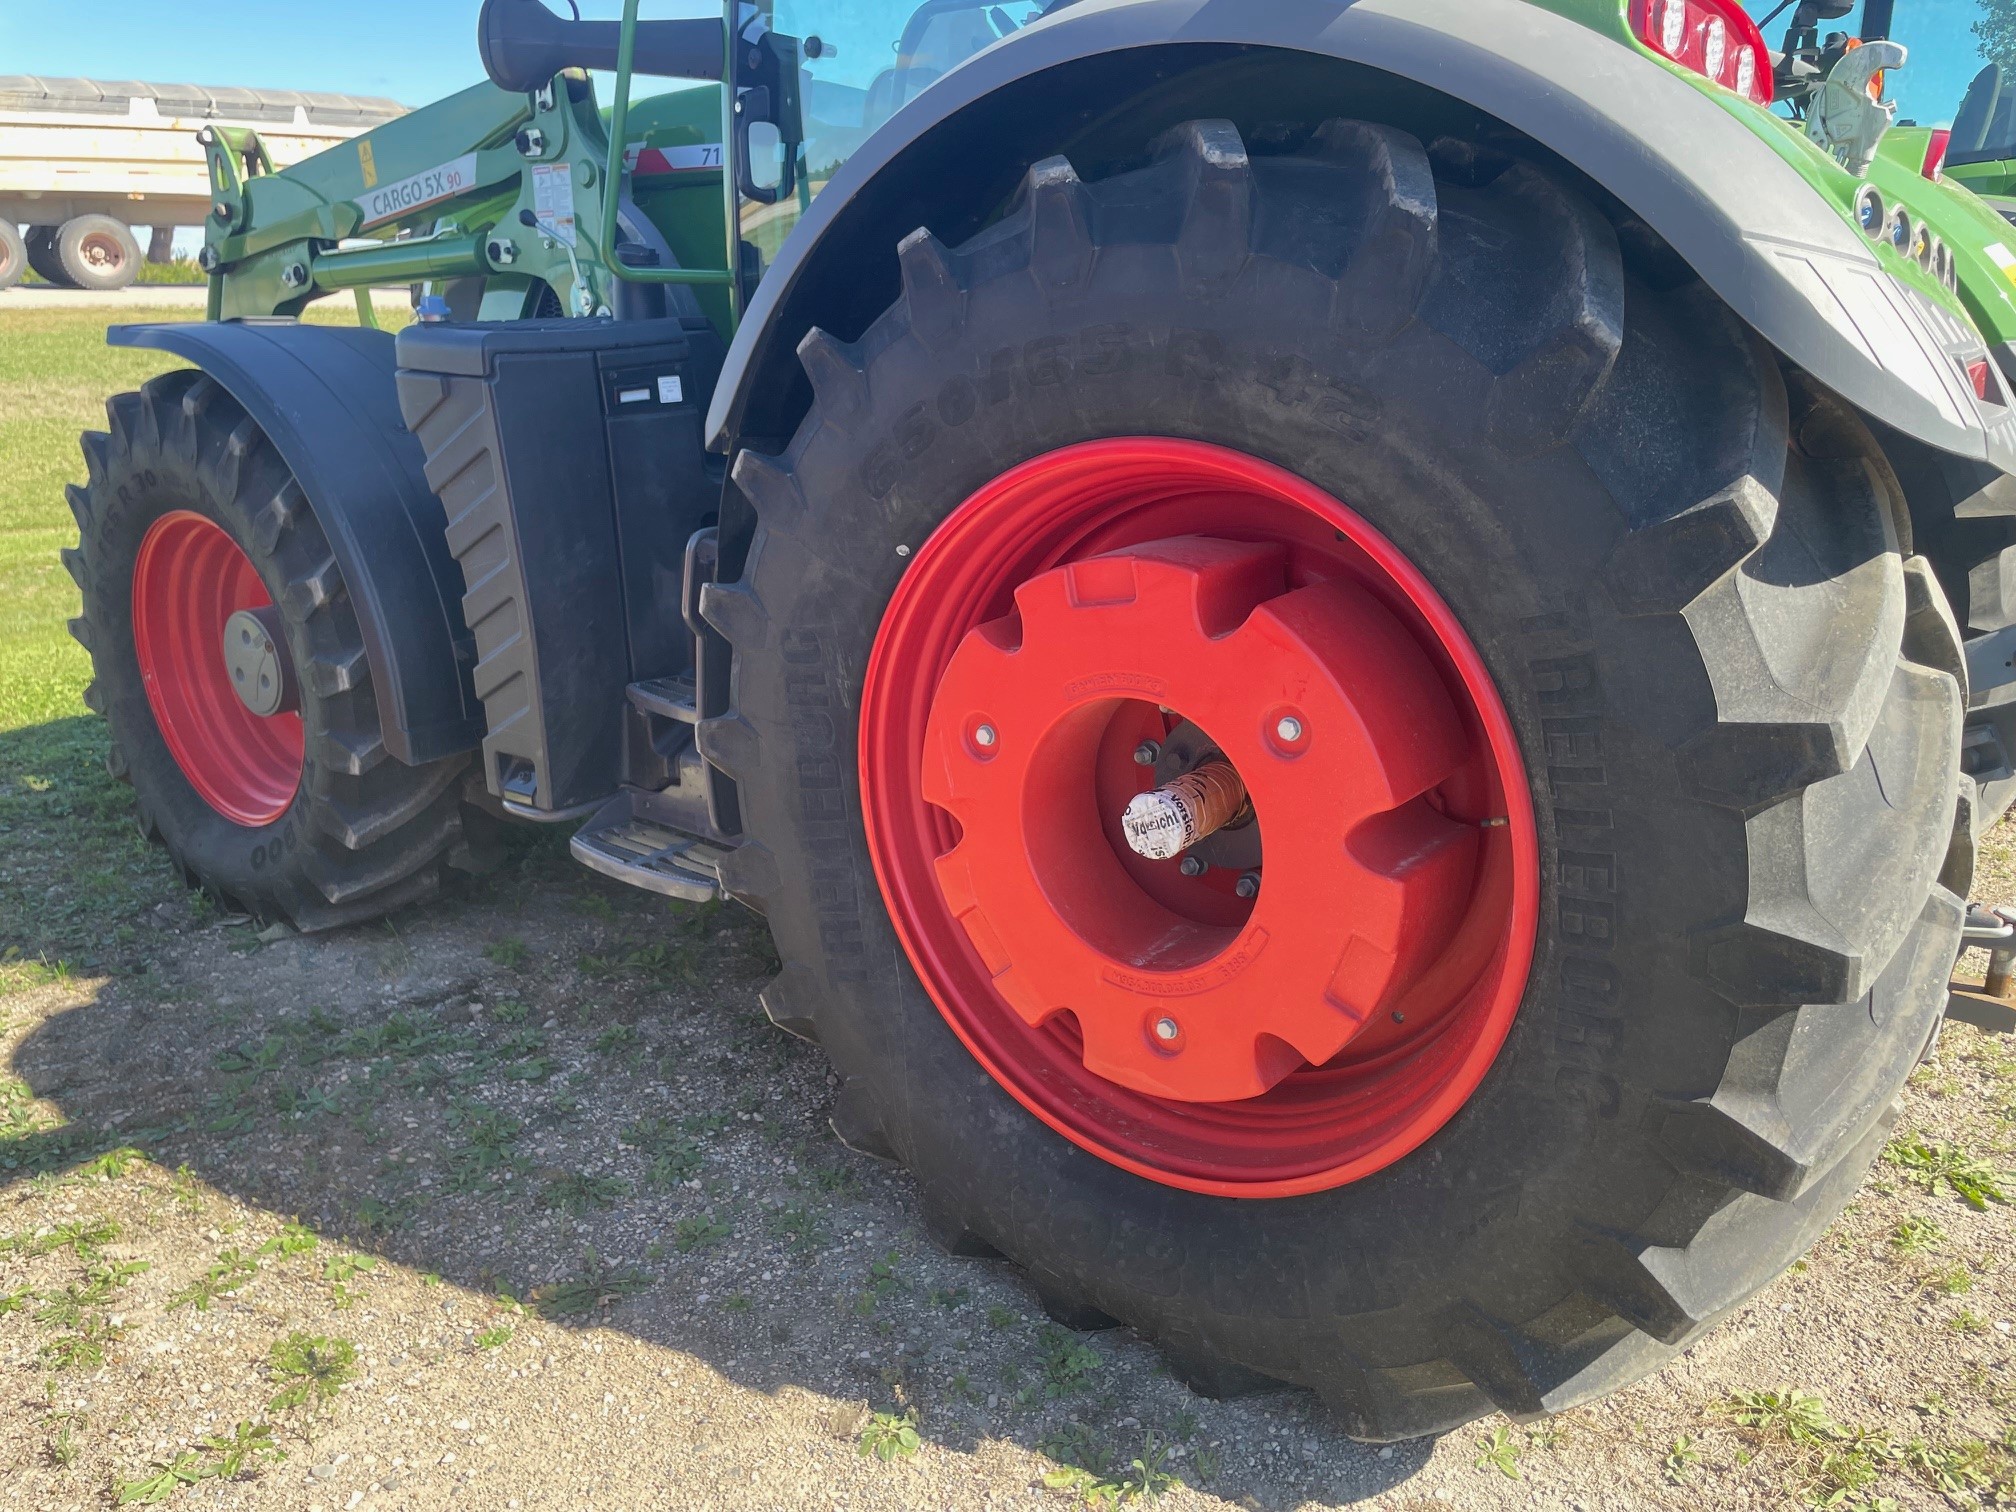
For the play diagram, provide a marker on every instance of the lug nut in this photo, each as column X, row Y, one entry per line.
column 1248, row 885
column 1290, row 729
column 1147, row 753
column 1166, row 1030
column 984, row 737
column 1193, row 866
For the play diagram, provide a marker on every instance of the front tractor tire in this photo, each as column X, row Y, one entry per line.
column 188, row 516
column 1374, row 384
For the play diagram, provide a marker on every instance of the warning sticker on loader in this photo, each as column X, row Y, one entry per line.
column 553, row 200
column 390, row 201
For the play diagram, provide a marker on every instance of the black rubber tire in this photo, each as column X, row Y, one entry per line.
column 365, row 834
column 1694, row 603
column 13, row 255
column 41, row 248
column 97, row 252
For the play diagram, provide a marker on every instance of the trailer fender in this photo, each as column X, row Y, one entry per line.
column 325, row 396
column 1728, row 200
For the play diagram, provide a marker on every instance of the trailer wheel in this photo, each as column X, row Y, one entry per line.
column 230, row 669
column 13, row 255
column 40, row 243
column 1602, row 768
column 97, row 252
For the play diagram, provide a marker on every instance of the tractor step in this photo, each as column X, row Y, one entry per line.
column 667, row 697
column 620, row 844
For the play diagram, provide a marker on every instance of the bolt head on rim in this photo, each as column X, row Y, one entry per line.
column 1178, row 1019
column 201, row 614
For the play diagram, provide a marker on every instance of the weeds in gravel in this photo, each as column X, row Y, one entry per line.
column 495, row 1337
column 695, row 1233
column 16, row 1300
column 231, row 1272
column 489, row 1152
column 882, row 1284
column 1499, row 1450
column 616, row 1039
column 1799, row 1417
column 293, row 1239
column 1936, row 1163
column 1953, row 1281
column 886, row 1436
column 1681, row 1459
column 240, row 1455
column 81, row 1236
column 61, row 1445
column 340, row 1270
column 509, row 952
column 597, row 1286
column 1916, row 1235
column 113, row 1164
column 574, row 1192
column 1144, row 1479
column 1067, row 1365
column 310, row 1370
column 84, row 1348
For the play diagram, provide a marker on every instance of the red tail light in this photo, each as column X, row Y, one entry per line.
column 1982, row 376
column 1718, row 39
column 1935, row 153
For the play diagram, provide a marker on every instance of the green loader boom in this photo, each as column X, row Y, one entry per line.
column 495, row 199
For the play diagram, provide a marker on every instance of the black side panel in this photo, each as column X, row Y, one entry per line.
column 325, row 397
column 567, row 456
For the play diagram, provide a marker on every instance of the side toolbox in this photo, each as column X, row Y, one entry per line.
column 567, row 456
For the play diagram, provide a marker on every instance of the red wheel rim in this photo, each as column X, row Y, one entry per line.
column 189, row 578
column 1089, row 599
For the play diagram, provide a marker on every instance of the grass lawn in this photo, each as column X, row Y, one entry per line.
column 73, row 871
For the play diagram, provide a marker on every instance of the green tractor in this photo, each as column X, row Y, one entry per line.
column 978, row 483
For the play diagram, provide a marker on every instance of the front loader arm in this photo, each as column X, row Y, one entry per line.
column 486, row 184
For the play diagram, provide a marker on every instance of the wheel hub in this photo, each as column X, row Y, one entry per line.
column 255, row 656
column 1177, row 991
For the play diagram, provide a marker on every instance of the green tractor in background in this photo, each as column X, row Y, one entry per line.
column 1356, row 651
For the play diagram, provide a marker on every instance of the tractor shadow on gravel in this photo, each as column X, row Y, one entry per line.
column 547, row 1086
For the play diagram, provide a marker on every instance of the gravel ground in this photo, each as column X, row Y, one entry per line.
column 517, row 1201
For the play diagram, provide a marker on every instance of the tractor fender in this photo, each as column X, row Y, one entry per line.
column 325, row 397
column 1729, row 201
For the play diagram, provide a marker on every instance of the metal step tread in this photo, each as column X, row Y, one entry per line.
column 668, row 698
column 643, row 854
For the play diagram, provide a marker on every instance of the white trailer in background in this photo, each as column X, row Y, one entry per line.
column 83, row 161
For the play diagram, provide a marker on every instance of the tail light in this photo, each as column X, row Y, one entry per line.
column 1716, row 38
column 1935, row 153
column 1981, row 373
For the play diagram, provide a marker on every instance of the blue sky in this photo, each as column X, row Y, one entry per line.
column 411, row 50
column 419, row 50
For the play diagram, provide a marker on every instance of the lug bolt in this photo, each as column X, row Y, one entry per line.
column 984, row 737
column 1147, row 753
column 1193, row 866
column 1166, row 1030
column 1290, row 729
column 1248, row 885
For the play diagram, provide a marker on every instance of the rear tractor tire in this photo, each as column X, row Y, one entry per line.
column 286, row 805
column 1602, row 740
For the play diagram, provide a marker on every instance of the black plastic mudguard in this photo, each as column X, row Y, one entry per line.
column 1715, row 188
column 325, row 397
